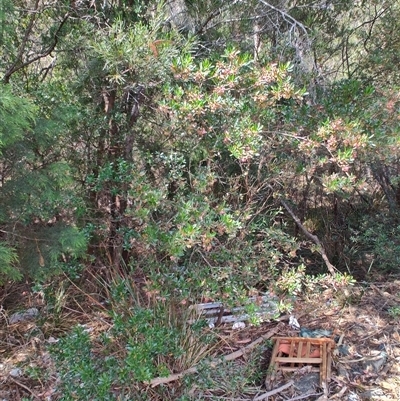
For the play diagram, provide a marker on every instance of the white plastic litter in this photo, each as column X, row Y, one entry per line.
column 238, row 325
column 293, row 323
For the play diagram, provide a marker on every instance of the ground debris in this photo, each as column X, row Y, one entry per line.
column 365, row 363
column 18, row 317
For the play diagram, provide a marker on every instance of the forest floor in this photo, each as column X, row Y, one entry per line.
column 366, row 318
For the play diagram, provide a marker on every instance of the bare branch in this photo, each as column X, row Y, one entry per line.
column 23, row 43
column 312, row 237
column 16, row 66
column 285, row 16
column 213, row 15
column 274, row 391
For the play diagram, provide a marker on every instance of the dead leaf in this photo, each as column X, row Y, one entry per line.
column 389, row 386
column 396, row 336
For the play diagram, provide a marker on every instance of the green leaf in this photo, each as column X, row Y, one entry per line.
column 8, row 261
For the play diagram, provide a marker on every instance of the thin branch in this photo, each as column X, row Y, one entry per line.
column 35, row 396
column 312, row 237
column 23, row 43
column 301, row 397
column 236, row 19
column 24, row 237
column 373, row 21
column 274, row 391
column 214, row 14
column 15, row 67
column 285, row 16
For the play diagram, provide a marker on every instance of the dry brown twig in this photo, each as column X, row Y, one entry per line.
column 301, row 397
column 339, row 394
column 35, row 396
column 312, row 237
column 274, row 391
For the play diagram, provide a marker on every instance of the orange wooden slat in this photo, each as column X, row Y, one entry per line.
column 323, row 367
column 300, row 351
column 328, row 362
column 285, row 359
column 273, row 364
column 292, row 353
column 308, row 349
column 298, row 339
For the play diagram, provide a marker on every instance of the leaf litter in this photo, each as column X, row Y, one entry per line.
column 363, row 319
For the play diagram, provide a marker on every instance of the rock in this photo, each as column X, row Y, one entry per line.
column 307, row 383
column 238, row 325
column 375, row 363
column 16, row 372
column 353, row 397
column 341, row 371
column 18, row 317
column 343, row 350
column 317, row 333
column 372, row 394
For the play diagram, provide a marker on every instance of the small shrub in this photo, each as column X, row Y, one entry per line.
column 394, row 312
column 291, row 280
column 143, row 343
column 380, row 236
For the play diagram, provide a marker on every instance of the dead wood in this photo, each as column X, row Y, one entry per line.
column 274, row 391
column 34, row 395
column 312, row 237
